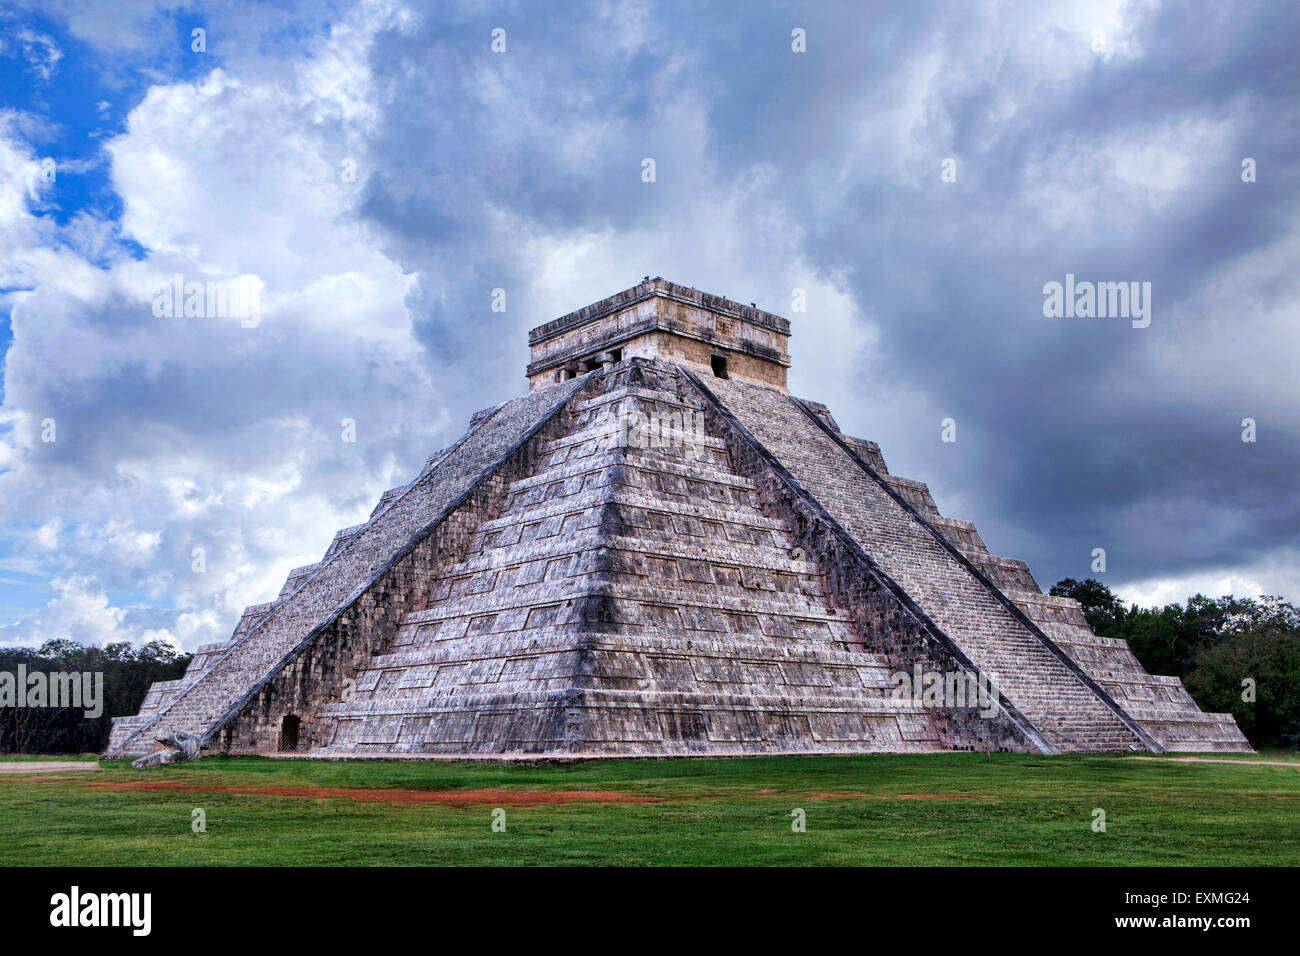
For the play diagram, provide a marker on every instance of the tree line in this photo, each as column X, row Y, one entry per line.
column 128, row 671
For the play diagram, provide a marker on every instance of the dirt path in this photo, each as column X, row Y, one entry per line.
column 499, row 798
column 45, row 766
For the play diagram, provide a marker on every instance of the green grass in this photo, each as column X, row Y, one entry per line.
column 1264, row 753
column 1027, row 810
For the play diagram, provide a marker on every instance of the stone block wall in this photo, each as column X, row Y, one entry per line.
column 314, row 676
column 628, row 600
column 888, row 622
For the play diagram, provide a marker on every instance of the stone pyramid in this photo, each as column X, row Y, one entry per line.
column 659, row 551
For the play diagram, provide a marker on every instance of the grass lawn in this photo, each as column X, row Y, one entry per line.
column 936, row 809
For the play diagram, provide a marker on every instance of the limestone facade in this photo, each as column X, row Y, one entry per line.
column 657, row 553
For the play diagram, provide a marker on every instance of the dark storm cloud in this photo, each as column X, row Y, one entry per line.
column 776, row 171
column 1074, row 433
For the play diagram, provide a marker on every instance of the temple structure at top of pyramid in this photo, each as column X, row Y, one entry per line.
column 659, row 551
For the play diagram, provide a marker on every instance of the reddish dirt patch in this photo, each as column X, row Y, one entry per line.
column 510, row 798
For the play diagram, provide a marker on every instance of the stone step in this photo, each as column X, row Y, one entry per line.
column 591, row 501
column 588, row 540
column 763, row 604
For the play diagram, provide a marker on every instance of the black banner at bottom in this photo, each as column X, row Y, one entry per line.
column 333, row 907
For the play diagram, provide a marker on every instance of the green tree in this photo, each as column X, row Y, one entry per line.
column 1102, row 608
column 127, row 671
column 1269, row 658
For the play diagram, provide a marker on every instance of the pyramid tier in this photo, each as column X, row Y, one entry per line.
column 631, row 600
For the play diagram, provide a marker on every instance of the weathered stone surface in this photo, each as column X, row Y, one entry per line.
column 629, row 600
column 391, row 541
column 176, row 747
column 667, row 555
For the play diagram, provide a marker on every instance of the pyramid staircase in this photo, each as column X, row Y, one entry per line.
column 630, row 598
column 1045, row 657
column 1160, row 704
column 1057, row 698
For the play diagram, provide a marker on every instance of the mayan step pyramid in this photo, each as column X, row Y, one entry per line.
column 659, row 551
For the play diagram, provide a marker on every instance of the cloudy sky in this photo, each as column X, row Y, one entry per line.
column 377, row 169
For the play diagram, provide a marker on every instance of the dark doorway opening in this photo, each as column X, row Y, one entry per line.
column 289, row 734
column 719, row 363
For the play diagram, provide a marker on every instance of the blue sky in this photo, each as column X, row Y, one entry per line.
column 1100, row 139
